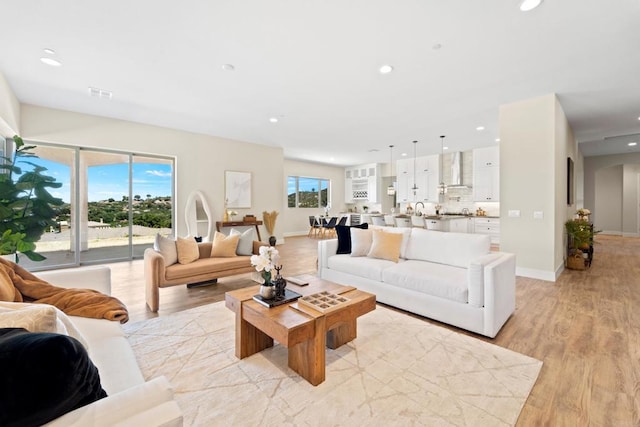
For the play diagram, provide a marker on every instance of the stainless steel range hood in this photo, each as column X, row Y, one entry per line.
column 456, row 171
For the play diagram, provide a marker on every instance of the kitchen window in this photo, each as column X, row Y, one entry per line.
column 304, row 192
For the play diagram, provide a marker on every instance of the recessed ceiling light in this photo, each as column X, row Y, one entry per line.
column 445, row 148
column 273, row 119
column 51, row 61
column 49, row 51
column 497, row 139
column 404, row 154
column 480, row 128
column 527, row 5
column 386, row 69
column 331, row 159
column 228, row 67
column 632, row 144
column 373, row 150
column 436, row 46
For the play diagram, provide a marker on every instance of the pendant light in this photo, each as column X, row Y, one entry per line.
column 391, row 190
column 442, row 187
column 415, row 187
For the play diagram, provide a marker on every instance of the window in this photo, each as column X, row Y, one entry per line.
column 114, row 203
column 305, row 192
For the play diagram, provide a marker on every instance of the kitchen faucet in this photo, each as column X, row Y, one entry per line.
column 417, row 211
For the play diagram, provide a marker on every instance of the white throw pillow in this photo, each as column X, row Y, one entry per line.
column 167, row 248
column 360, row 241
column 245, row 244
column 38, row 318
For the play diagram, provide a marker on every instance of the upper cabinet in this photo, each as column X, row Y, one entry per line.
column 486, row 174
column 362, row 183
column 426, row 178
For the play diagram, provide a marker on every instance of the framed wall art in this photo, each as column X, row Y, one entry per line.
column 237, row 186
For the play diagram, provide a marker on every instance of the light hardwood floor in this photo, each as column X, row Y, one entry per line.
column 585, row 327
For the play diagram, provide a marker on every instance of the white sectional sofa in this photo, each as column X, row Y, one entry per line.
column 131, row 401
column 449, row 277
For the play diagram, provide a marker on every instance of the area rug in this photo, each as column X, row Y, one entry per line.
column 399, row 371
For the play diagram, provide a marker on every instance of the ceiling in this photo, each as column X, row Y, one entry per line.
column 313, row 64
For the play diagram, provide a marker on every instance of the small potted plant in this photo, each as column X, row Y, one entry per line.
column 266, row 263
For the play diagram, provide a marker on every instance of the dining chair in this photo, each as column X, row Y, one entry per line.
column 330, row 227
column 389, row 221
column 378, row 220
column 314, row 227
column 418, row 221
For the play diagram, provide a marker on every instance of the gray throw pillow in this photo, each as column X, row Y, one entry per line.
column 167, row 248
column 245, row 244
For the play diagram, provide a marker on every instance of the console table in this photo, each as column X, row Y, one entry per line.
column 220, row 224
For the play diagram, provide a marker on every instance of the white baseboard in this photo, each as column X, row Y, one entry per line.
column 532, row 273
column 613, row 233
column 630, row 235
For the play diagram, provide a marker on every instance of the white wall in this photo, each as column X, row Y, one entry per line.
column 608, row 201
column 297, row 219
column 535, row 141
column 200, row 159
column 9, row 110
column 629, row 198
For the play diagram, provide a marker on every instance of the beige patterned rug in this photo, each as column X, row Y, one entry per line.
column 399, row 371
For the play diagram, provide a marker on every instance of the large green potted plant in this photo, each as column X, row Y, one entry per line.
column 27, row 209
column 580, row 234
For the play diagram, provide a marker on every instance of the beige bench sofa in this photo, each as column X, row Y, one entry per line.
column 158, row 275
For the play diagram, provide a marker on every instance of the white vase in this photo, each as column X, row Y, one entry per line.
column 267, row 292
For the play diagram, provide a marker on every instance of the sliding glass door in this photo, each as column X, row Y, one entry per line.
column 114, row 205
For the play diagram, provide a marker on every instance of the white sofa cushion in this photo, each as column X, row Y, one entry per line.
column 110, row 352
column 476, row 278
column 38, row 318
column 117, row 409
column 457, row 249
column 360, row 241
column 370, row 268
column 439, row 280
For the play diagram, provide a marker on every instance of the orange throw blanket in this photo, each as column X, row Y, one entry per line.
column 17, row 285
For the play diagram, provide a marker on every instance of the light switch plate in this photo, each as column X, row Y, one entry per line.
column 538, row 215
column 514, row 213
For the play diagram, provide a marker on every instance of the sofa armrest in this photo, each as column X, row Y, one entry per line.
column 96, row 277
column 326, row 248
column 121, row 408
column 499, row 292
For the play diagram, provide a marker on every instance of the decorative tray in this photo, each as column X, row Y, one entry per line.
column 323, row 301
column 289, row 296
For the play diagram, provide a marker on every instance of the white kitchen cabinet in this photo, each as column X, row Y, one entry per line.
column 490, row 226
column 427, row 178
column 460, row 225
column 486, row 174
column 404, row 177
column 436, row 224
column 362, row 183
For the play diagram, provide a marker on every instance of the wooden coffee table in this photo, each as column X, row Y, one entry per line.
column 303, row 330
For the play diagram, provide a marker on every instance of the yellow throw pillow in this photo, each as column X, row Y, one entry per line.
column 187, row 250
column 385, row 245
column 224, row 246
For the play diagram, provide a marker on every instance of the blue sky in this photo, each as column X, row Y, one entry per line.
column 112, row 181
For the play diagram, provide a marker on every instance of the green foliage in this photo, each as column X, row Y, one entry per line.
column 154, row 213
column 580, row 233
column 27, row 209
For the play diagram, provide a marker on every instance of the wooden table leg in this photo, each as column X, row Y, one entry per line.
column 308, row 358
column 342, row 334
column 249, row 339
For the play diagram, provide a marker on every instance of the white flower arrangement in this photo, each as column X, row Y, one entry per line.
column 583, row 212
column 266, row 261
